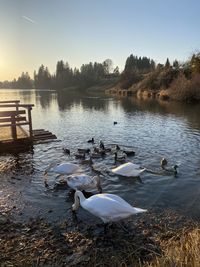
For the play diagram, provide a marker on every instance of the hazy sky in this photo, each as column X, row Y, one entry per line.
column 35, row 32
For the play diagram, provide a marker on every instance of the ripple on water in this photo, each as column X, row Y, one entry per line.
column 151, row 131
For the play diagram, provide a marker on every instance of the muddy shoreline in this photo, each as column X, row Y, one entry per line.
column 73, row 243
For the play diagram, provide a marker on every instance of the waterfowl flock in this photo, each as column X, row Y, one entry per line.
column 108, row 207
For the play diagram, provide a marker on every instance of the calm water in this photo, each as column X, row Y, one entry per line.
column 153, row 130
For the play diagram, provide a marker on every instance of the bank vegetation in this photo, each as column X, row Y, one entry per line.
column 176, row 81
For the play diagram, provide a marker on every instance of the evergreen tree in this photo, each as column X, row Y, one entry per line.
column 167, row 64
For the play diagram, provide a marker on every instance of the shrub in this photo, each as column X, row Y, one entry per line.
column 185, row 90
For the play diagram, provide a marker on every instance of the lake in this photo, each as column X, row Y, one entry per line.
column 153, row 130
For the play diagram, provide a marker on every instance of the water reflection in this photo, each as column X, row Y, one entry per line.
column 67, row 100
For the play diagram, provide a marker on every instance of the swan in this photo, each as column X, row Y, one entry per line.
column 84, row 182
column 128, row 169
column 108, row 207
column 63, row 168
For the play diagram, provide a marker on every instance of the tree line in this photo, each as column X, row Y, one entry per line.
column 90, row 74
column 64, row 77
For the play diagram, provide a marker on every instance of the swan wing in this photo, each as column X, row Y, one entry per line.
column 66, row 168
column 109, row 208
column 81, row 182
column 128, row 169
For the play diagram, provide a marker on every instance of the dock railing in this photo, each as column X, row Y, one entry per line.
column 10, row 116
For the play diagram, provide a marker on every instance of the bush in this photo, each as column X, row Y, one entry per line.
column 185, row 90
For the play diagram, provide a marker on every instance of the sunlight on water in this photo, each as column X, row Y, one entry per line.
column 151, row 129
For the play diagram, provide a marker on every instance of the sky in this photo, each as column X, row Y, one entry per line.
column 35, row 32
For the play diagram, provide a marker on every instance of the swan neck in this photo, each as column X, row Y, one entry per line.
column 79, row 196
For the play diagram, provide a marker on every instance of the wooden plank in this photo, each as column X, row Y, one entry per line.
column 38, row 130
column 17, row 124
column 13, row 127
column 12, row 112
column 52, row 136
column 9, row 119
column 30, row 122
column 9, row 101
column 42, row 133
column 18, row 105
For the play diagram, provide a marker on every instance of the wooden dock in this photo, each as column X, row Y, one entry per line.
column 13, row 116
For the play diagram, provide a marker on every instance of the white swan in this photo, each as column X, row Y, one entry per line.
column 63, row 168
column 128, row 169
column 108, row 207
column 84, row 182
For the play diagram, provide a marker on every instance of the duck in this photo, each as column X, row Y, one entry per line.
column 80, row 156
column 120, row 158
column 66, row 151
column 87, row 161
column 115, row 122
column 128, row 169
column 101, row 145
column 83, row 150
column 91, row 140
column 107, row 207
column 108, row 149
column 84, row 182
column 63, row 168
column 117, row 147
column 99, row 154
column 129, row 152
column 173, row 170
column 163, row 163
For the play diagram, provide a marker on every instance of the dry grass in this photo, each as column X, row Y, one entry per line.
column 153, row 240
column 183, row 89
column 182, row 250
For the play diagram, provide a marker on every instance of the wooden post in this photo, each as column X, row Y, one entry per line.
column 13, row 127
column 30, row 121
column 16, row 103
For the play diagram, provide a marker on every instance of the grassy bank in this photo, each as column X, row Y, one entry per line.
column 165, row 239
column 179, row 82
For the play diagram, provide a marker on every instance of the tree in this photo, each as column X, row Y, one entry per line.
column 116, row 71
column 42, row 79
column 108, row 66
column 167, row 64
column 176, row 64
column 24, row 81
column 195, row 63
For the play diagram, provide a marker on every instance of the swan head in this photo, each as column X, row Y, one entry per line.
column 76, row 204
